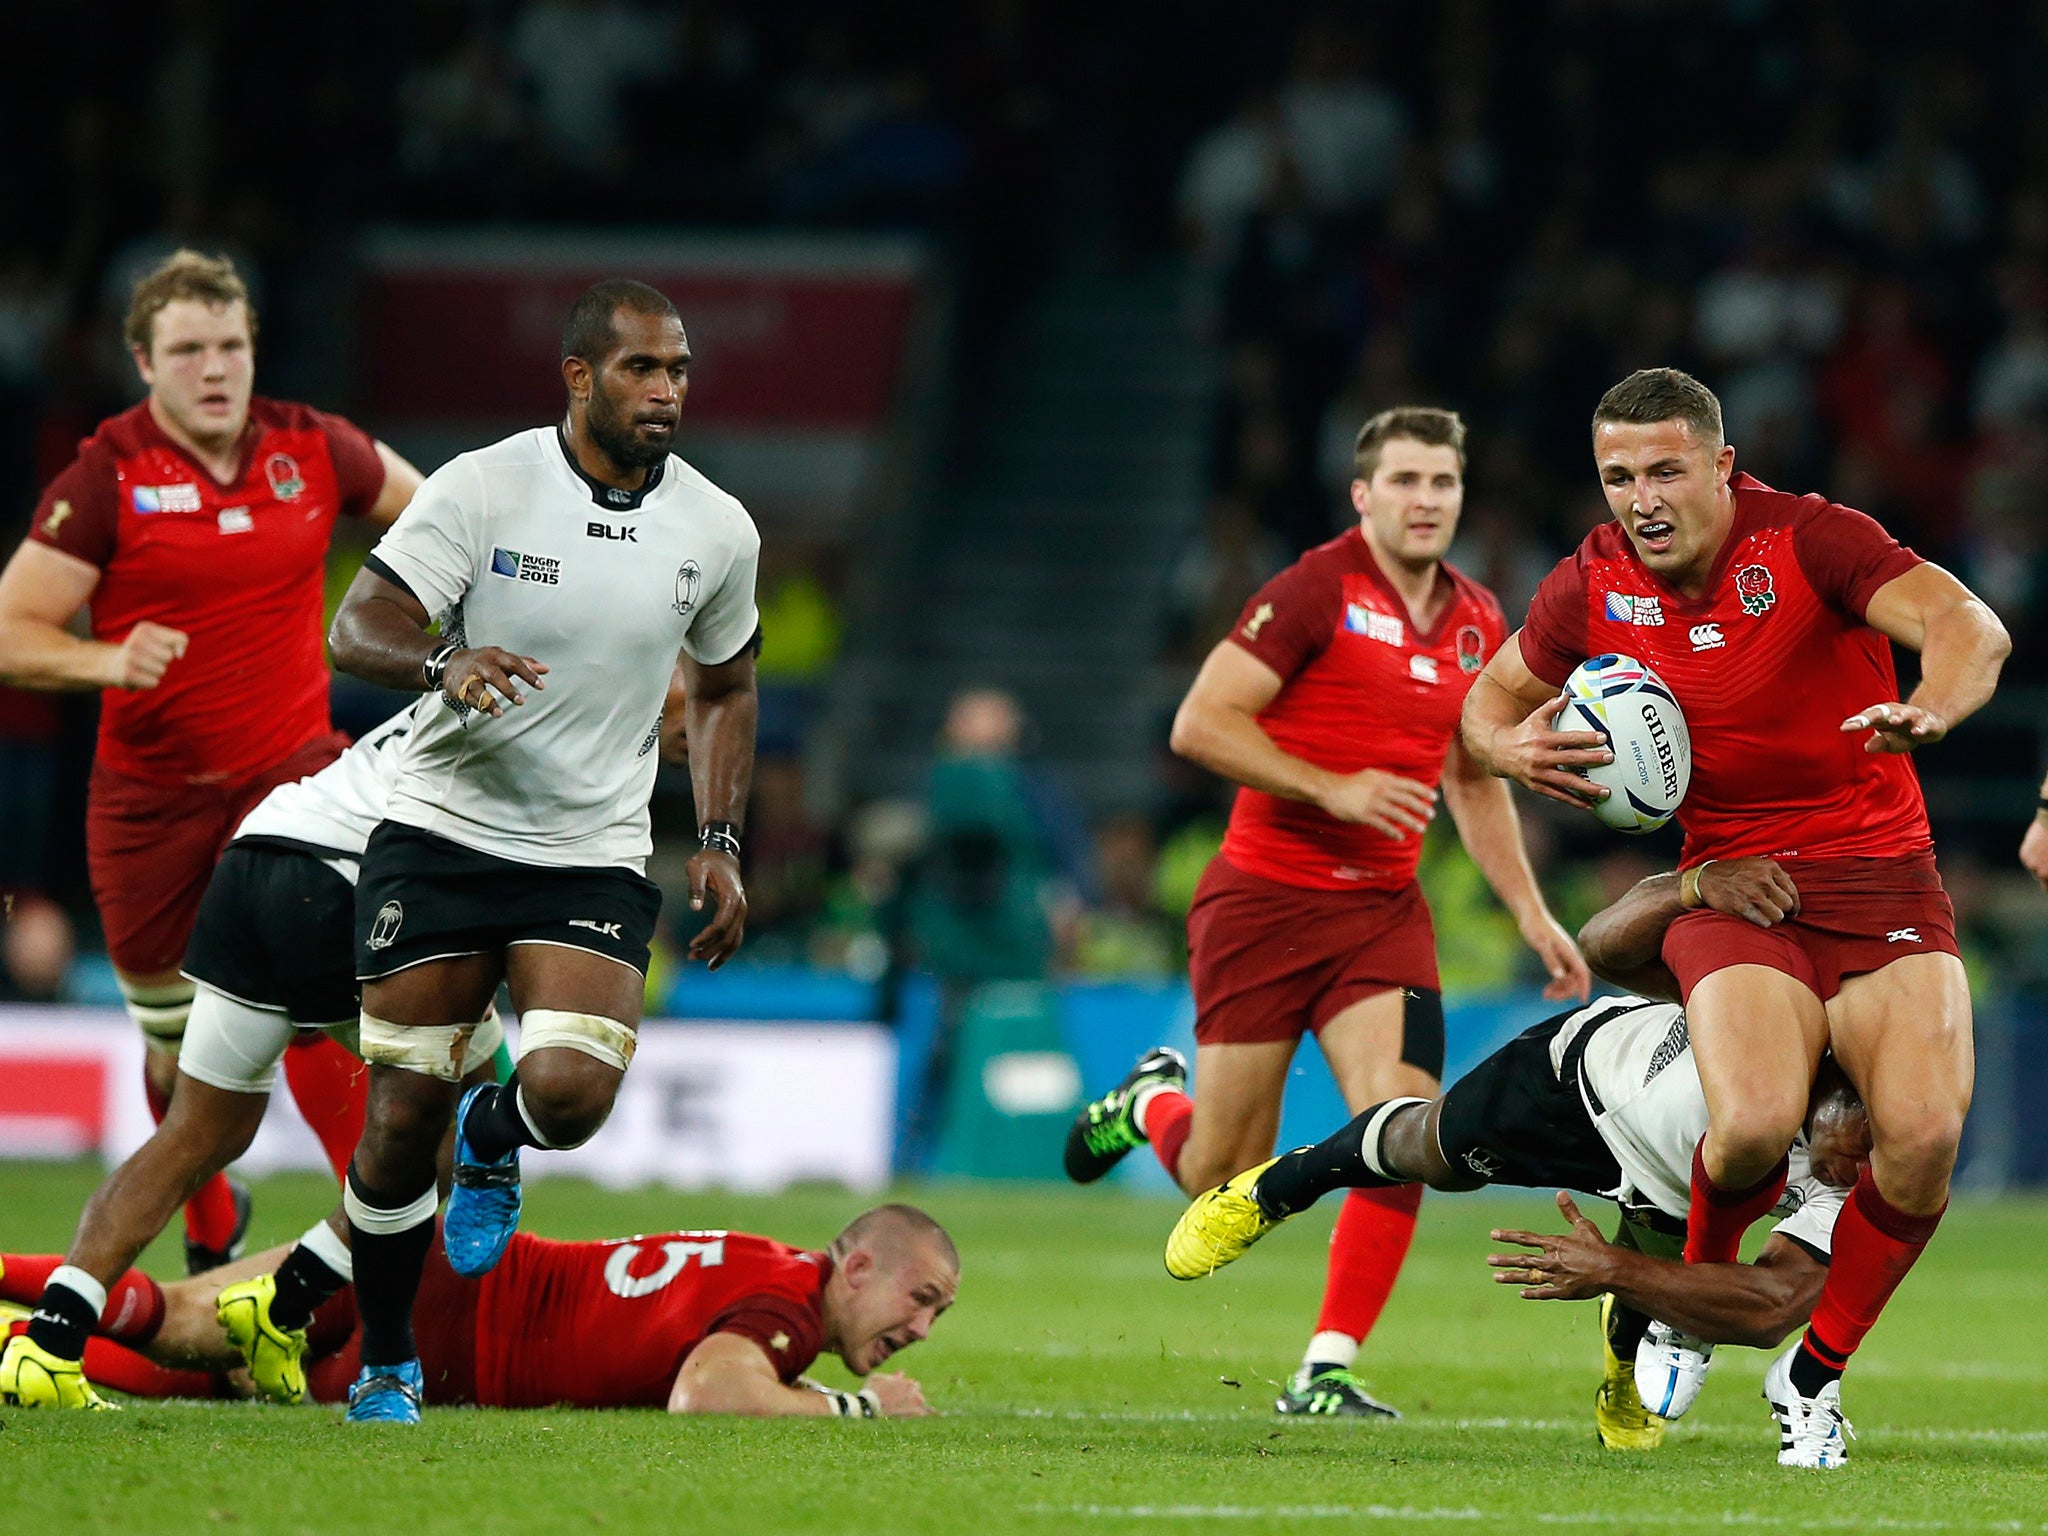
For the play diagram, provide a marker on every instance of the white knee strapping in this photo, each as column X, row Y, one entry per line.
column 484, row 1043
column 432, row 1050
column 231, row 1046
column 367, row 1218
column 607, row 1040
column 159, row 1012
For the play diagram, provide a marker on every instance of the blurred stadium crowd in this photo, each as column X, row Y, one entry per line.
column 1835, row 212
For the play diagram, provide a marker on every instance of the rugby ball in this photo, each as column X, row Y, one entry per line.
column 1628, row 704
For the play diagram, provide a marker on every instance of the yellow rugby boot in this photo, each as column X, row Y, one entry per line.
column 276, row 1356
column 32, row 1377
column 1620, row 1418
column 1219, row 1226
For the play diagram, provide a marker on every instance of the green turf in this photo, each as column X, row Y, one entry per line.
column 1085, row 1392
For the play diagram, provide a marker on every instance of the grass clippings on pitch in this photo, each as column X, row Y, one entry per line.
column 1085, row 1392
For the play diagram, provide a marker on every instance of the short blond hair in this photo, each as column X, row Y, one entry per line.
column 184, row 274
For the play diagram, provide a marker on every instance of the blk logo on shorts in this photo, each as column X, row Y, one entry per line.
column 385, row 929
column 609, row 930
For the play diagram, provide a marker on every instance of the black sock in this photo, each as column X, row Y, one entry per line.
column 494, row 1125
column 304, row 1280
column 1305, row 1175
column 387, row 1266
column 62, row 1321
column 1816, row 1363
column 1625, row 1329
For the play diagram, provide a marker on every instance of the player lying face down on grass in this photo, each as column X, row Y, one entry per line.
column 694, row 1322
column 1605, row 1099
column 568, row 567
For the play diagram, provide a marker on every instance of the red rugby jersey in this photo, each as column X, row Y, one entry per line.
column 607, row 1325
column 1361, row 689
column 1766, row 666
column 239, row 567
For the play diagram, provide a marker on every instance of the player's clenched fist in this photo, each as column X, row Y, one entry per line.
column 142, row 658
column 483, row 678
column 1386, row 802
column 1540, row 757
column 899, row 1395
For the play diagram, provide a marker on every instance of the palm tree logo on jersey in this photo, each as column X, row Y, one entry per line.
column 688, row 580
column 389, row 918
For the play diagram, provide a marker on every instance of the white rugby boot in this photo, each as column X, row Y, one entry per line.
column 1671, row 1367
column 1811, row 1430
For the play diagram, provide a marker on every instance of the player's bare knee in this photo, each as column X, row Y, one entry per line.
column 1745, row 1143
column 566, row 1094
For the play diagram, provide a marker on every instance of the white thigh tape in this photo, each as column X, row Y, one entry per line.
column 232, row 1046
column 159, row 1012
column 484, row 1043
column 368, row 1218
column 432, row 1050
column 594, row 1035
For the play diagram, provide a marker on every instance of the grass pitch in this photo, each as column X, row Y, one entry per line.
column 1083, row 1391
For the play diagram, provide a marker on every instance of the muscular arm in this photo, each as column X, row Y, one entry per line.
column 1753, row 1304
column 380, row 635
column 675, row 741
column 1484, row 812
column 720, row 710
column 1962, row 646
column 42, row 591
column 400, row 481
column 1507, row 729
column 1624, row 943
column 731, row 1374
column 1217, row 726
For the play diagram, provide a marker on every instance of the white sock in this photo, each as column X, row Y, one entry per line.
column 330, row 1250
column 77, row 1281
column 1338, row 1349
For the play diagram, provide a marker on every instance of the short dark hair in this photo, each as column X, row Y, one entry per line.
column 899, row 1221
column 591, row 330
column 184, row 274
column 1421, row 423
column 1651, row 395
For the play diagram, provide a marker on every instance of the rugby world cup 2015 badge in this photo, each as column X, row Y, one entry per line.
column 282, row 471
column 689, row 580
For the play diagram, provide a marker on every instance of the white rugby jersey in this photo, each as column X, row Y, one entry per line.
column 1652, row 1113
column 336, row 809
column 514, row 546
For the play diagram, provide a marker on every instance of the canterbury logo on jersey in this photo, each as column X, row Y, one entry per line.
column 606, row 531
column 1707, row 637
column 541, row 568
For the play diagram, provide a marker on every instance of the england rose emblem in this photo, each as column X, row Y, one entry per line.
column 1753, row 586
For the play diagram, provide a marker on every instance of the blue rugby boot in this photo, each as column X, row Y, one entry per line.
column 483, row 1207
column 387, row 1394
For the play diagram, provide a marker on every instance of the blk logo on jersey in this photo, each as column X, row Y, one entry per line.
column 1707, row 637
column 282, row 471
column 607, row 531
column 1623, row 609
column 689, row 581
column 517, row 567
column 1753, row 586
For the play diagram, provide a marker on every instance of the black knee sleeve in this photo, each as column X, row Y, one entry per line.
column 1422, row 1030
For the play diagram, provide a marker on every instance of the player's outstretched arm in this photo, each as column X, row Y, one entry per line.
column 1217, row 726
column 1509, row 728
column 1962, row 646
column 1753, row 1304
column 721, row 708
column 729, row 1373
column 1624, row 943
column 1487, row 825
column 41, row 592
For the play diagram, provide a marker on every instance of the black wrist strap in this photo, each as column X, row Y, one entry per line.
column 723, row 835
column 435, row 667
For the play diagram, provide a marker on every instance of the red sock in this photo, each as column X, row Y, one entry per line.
column 1374, row 1229
column 1718, row 1217
column 108, row 1364
column 1875, row 1244
column 330, row 1087
column 135, row 1303
column 210, row 1213
column 1168, row 1118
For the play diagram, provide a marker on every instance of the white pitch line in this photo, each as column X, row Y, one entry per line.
column 1726, row 1519
column 1513, row 1426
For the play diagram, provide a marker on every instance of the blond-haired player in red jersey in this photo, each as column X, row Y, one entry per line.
column 194, row 529
column 696, row 1322
column 1770, row 617
column 1334, row 705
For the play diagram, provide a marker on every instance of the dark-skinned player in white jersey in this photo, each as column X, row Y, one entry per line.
column 517, row 828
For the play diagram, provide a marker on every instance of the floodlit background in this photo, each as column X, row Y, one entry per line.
column 1034, row 336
